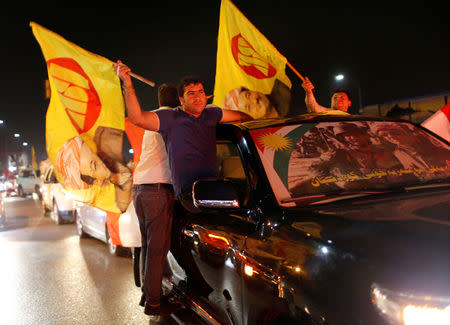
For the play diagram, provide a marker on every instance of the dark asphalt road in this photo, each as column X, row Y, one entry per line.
column 48, row 275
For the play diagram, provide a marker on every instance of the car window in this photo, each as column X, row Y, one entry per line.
column 229, row 161
column 53, row 177
column 26, row 173
column 50, row 176
column 230, row 166
column 46, row 175
column 332, row 157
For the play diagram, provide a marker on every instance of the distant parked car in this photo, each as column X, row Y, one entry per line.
column 56, row 199
column 9, row 185
column 119, row 231
column 28, row 182
column 2, row 206
column 2, row 184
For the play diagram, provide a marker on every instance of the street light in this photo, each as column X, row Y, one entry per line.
column 25, row 144
column 16, row 135
column 1, row 121
column 339, row 77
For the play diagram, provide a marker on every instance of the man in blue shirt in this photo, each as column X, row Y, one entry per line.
column 189, row 133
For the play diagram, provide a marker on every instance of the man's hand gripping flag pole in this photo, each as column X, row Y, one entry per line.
column 145, row 80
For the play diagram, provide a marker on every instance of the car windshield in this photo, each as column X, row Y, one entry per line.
column 308, row 162
column 26, row 173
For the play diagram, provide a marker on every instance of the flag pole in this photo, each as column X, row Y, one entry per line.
column 295, row 71
column 148, row 82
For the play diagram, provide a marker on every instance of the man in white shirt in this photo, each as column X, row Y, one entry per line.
column 153, row 199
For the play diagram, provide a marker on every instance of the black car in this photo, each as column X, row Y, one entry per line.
column 319, row 220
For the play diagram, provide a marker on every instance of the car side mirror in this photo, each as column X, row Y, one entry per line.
column 215, row 194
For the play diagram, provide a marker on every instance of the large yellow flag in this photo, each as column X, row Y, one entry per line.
column 85, row 123
column 250, row 72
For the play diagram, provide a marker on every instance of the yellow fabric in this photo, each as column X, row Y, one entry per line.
column 333, row 112
column 85, row 94
column 33, row 159
column 251, row 51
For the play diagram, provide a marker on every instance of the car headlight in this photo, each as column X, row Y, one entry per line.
column 407, row 309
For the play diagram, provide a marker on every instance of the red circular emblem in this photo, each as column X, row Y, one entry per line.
column 249, row 60
column 82, row 104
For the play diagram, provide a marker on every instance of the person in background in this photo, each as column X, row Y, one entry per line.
column 340, row 99
column 153, row 199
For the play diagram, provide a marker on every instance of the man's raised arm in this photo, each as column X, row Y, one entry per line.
column 311, row 104
column 231, row 116
column 145, row 120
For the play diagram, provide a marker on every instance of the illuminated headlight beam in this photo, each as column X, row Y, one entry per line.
column 407, row 309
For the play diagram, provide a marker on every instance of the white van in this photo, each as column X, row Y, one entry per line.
column 56, row 199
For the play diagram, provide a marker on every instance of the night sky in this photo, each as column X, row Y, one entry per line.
column 389, row 52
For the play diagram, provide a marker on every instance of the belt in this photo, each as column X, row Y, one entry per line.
column 155, row 185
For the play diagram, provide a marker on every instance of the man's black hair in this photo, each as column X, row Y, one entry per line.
column 168, row 95
column 189, row 80
column 341, row 90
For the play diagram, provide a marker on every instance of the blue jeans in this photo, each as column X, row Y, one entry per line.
column 154, row 208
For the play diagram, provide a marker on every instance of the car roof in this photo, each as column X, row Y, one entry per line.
column 308, row 118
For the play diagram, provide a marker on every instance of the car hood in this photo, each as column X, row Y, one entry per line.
column 401, row 243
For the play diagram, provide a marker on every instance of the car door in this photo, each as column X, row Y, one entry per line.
column 47, row 187
column 97, row 221
column 212, row 243
column 82, row 214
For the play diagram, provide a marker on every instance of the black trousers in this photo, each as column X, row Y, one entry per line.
column 185, row 213
column 154, row 205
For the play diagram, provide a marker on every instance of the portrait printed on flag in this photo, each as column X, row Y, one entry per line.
column 259, row 105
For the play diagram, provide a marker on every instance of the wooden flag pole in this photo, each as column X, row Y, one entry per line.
column 149, row 82
column 295, row 71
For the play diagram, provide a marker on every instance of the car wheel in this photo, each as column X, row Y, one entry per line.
column 45, row 210
column 137, row 266
column 57, row 214
column 20, row 191
column 79, row 225
column 113, row 249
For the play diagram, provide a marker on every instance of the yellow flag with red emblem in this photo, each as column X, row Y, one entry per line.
column 250, row 72
column 85, row 123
